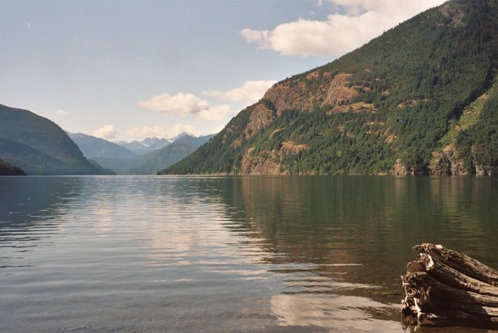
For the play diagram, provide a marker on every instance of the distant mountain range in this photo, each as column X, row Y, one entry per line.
column 145, row 146
column 36, row 146
column 420, row 99
column 138, row 157
column 93, row 147
column 40, row 147
column 180, row 148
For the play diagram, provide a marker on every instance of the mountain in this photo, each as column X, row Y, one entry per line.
column 134, row 146
column 179, row 136
column 152, row 162
column 420, row 99
column 145, row 146
column 180, row 148
column 156, row 143
column 38, row 146
column 93, row 147
column 7, row 169
column 122, row 166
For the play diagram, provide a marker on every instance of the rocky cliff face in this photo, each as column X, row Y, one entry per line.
column 447, row 162
column 407, row 103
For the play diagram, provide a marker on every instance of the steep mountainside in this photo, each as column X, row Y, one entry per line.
column 39, row 146
column 419, row 99
column 93, row 147
column 7, row 169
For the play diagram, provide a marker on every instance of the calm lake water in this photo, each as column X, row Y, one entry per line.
column 192, row 254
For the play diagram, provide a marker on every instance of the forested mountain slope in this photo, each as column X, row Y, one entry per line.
column 38, row 146
column 419, row 99
column 7, row 169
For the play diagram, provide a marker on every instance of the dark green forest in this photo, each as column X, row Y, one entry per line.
column 412, row 85
column 7, row 169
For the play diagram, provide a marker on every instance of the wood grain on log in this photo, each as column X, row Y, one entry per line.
column 461, row 262
column 444, row 287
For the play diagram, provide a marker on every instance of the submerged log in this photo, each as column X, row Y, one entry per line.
column 445, row 287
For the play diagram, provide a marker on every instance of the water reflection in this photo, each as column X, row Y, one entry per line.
column 226, row 254
column 29, row 207
column 358, row 230
column 336, row 312
column 25, row 200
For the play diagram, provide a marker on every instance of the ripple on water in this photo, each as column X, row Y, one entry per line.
column 225, row 254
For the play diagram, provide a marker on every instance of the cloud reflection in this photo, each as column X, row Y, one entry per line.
column 338, row 312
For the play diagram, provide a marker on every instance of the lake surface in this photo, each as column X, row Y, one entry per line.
column 192, row 254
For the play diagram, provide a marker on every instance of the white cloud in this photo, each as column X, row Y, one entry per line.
column 340, row 33
column 216, row 113
column 218, row 129
column 62, row 113
column 178, row 105
column 183, row 128
column 250, row 92
column 106, row 132
column 139, row 133
column 145, row 132
column 186, row 104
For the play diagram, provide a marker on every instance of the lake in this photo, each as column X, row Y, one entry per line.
column 218, row 254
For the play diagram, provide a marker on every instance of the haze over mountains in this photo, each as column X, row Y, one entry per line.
column 181, row 147
column 93, row 147
column 147, row 156
column 146, row 145
column 420, row 99
column 33, row 145
column 40, row 147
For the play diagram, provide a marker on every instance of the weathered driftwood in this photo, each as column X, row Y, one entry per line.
column 444, row 287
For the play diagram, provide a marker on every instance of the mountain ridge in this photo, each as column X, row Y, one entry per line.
column 39, row 146
column 6, row 169
column 385, row 108
column 156, row 159
column 93, row 147
column 181, row 147
column 146, row 145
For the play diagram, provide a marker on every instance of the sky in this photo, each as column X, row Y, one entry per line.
column 130, row 69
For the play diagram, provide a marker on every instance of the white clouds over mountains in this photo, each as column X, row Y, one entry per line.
column 159, row 131
column 62, row 113
column 179, row 105
column 250, row 92
column 350, row 24
column 340, row 33
column 106, row 132
column 186, row 104
column 183, row 104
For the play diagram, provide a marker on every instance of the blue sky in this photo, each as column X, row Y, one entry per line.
column 131, row 69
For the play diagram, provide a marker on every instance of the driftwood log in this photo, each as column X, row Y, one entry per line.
column 445, row 287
